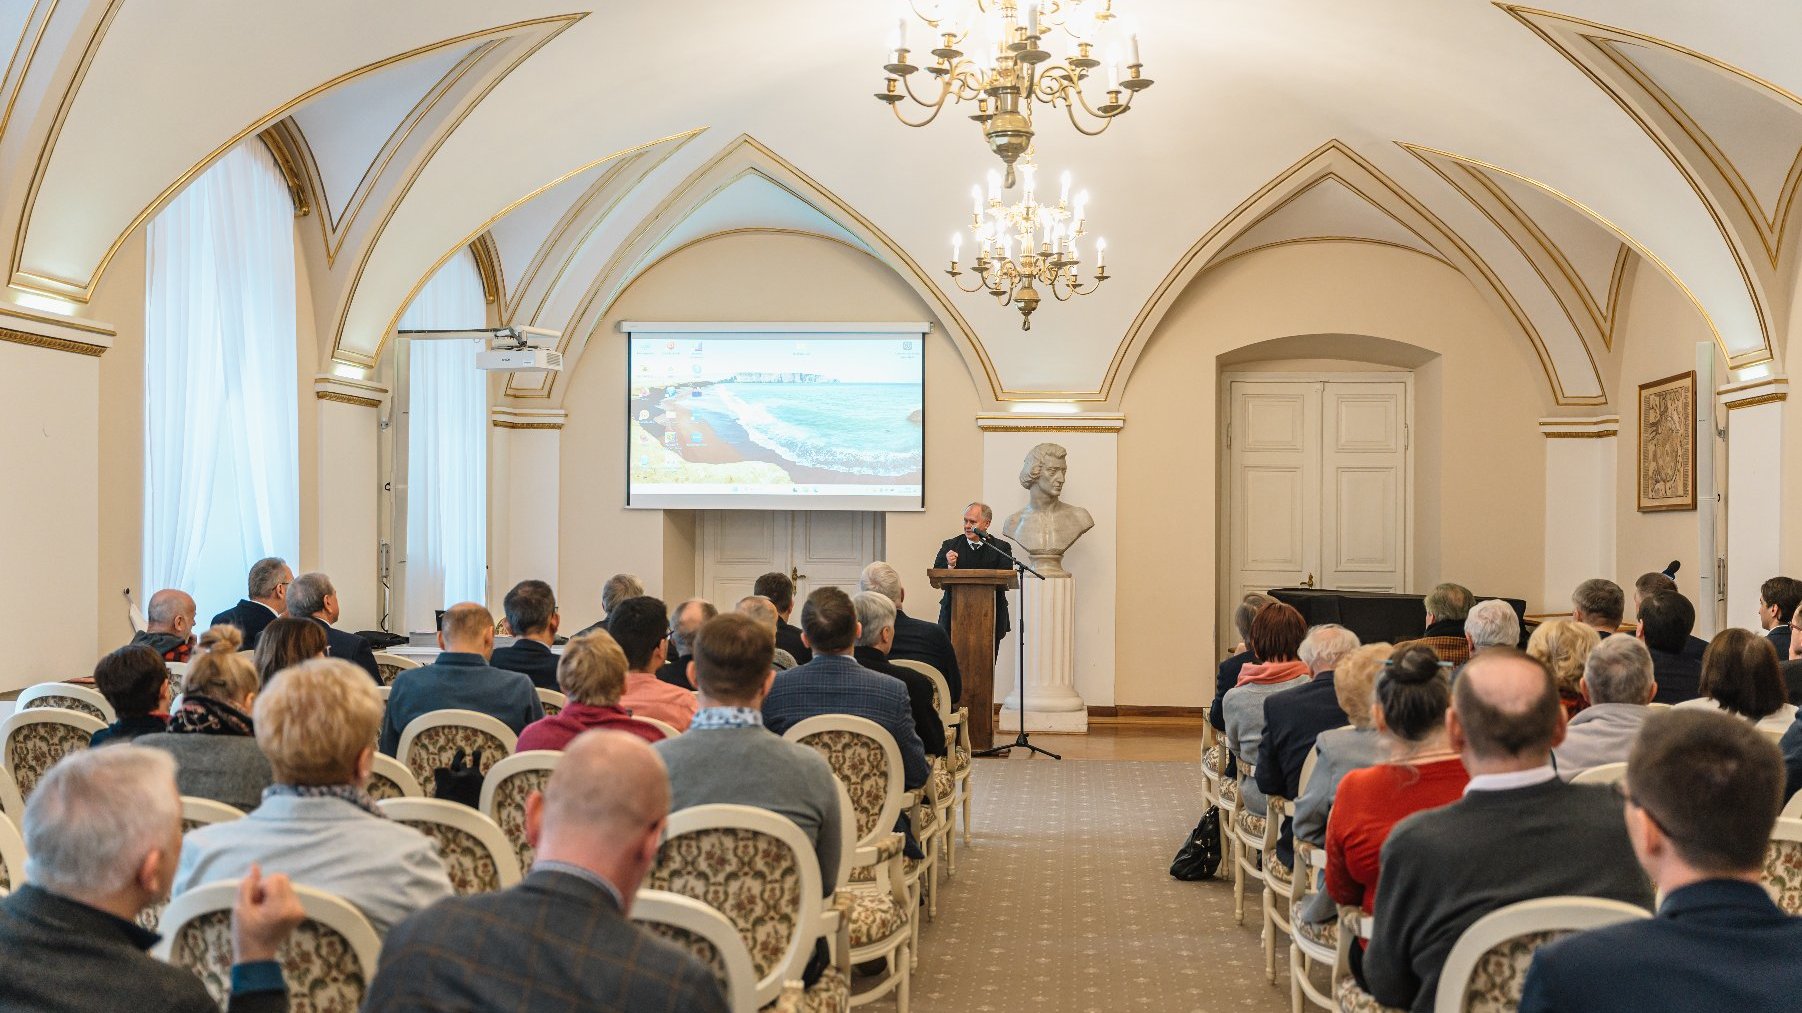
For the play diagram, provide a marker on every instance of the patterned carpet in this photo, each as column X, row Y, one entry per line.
column 1063, row 903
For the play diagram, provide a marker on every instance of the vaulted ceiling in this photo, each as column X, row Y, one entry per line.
column 1542, row 154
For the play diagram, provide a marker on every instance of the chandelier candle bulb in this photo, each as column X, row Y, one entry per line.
column 1135, row 48
column 1113, row 74
column 1100, row 255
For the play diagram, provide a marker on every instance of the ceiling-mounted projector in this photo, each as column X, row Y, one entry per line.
column 513, row 349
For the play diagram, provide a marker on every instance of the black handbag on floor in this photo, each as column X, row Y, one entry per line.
column 1199, row 856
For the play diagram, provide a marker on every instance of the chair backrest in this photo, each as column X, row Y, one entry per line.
column 669, row 731
column 12, row 804
column 1606, row 773
column 1791, row 809
column 1783, row 865
column 328, row 962
column 12, row 857
column 1655, row 705
column 504, row 793
column 759, row 870
column 1774, row 734
column 941, row 690
column 390, row 778
column 31, row 741
column 1307, row 771
column 202, row 812
column 552, row 701
column 391, row 665
column 431, row 740
column 478, row 857
column 866, row 759
column 1488, row 963
column 69, row 697
column 704, row 932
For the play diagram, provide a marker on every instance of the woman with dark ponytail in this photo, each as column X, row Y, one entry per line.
column 1413, row 692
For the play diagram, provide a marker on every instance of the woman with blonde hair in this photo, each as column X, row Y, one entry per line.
column 1564, row 646
column 211, row 734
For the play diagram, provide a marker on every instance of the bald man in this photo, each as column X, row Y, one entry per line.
column 461, row 679
column 169, row 627
column 1518, row 833
column 560, row 940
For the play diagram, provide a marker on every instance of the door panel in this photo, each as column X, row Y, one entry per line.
column 831, row 547
column 1364, row 458
column 822, row 547
column 1275, row 485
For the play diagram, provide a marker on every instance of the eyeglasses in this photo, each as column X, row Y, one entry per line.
column 1626, row 795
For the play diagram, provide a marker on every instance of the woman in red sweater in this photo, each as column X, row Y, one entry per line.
column 1412, row 694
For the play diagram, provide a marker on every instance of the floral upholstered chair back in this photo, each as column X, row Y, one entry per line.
column 552, row 701
column 391, row 665
column 758, row 870
column 504, row 794
column 390, row 778
column 477, row 856
column 1488, row 965
column 713, row 940
column 31, row 741
column 328, row 962
column 867, row 762
column 67, row 697
column 12, row 856
column 431, row 741
column 1783, row 865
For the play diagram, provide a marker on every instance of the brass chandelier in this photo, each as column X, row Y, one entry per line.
column 993, row 52
column 1027, row 244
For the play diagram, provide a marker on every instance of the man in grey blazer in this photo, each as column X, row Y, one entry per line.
column 1617, row 677
column 560, row 940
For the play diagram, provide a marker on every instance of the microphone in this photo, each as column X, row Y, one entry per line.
column 977, row 535
column 1671, row 570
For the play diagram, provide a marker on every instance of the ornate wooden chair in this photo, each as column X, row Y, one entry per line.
column 1783, row 865
column 68, row 696
column 1488, row 963
column 431, row 740
column 552, row 701
column 476, row 854
column 504, row 793
column 715, row 941
column 12, row 857
column 391, row 665
column 31, row 741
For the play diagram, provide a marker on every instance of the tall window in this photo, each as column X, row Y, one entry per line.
column 447, row 448
column 221, row 454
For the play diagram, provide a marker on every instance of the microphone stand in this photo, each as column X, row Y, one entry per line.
column 1021, row 741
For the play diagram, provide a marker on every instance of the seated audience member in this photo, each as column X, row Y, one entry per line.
column 759, row 608
column 1740, row 676
column 1702, row 795
column 1293, row 720
column 1564, row 646
column 266, row 600
column 211, row 734
column 1276, row 635
column 684, row 622
column 313, row 597
column 461, row 679
column 103, row 830
column 560, row 940
column 592, row 673
column 1777, row 601
column 317, row 723
column 641, row 628
column 876, row 634
column 287, row 642
column 1420, row 771
column 135, row 681
column 531, row 611
column 618, row 588
column 1618, row 680
column 834, row 683
column 1448, row 605
column 1491, row 622
column 1518, row 833
column 1665, row 619
column 1227, row 675
column 1650, row 584
column 1599, row 604
column 223, row 637
column 780, row 590
column 1340, row 751
column 729, row 756
column 169, row 625
column 915, row 639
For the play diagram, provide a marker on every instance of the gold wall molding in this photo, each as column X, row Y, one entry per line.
column 1597, row 435
column 23, row 67
column 345, row 390
column 1107, row 423
column 83, row 291
column 1752, row 393
column 54, row 344
column 1753, row 402
column 507, row 417
column 349, row 399
column 1590, row 47
column 1600, row 427
column 488, row 264
column 294, row 171
column 505, row 424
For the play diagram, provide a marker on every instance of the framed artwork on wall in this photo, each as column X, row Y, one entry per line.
column 1667, row 443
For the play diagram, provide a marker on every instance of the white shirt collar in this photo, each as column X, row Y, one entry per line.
column 272, row 612
column 1512, row 779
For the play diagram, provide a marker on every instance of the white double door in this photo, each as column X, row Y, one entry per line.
column 816, row 548
column 1318, row 484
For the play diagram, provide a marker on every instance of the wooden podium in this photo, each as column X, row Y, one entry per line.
column 973, row 638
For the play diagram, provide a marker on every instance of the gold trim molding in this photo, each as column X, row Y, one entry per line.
column 505, row 424
column 488, row 264
column 349, row 399
column 282, row 148
column 1752, row 393
column 1599, row 427
column 53, row 344
column 1026, row 422
column 1753, row 402
column 1599, row 434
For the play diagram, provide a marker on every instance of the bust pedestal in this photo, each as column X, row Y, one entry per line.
column 1049, row 677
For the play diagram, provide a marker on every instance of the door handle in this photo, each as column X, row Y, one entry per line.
column 1309, row 582
column 796, row 575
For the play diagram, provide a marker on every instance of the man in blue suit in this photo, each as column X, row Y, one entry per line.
column 1703, row 790
column 834, row 683
column 312, row 596
column 268, row 599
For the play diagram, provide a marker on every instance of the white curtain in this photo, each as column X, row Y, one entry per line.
column 221, row 452
column 447, row 448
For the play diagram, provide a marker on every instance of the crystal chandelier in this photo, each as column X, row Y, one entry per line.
column 993, row 52
column 1024, row 245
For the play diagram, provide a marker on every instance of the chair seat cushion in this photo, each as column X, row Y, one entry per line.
column 1213, row 760
column 1229, row 794
column 1324, row 934
column 1353, row 999
column 1275, row 869
column 943, row 783
column 873, row 916
column 867, row 873
column 1249, row 823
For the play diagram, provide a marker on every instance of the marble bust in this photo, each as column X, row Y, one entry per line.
column 1047, row 527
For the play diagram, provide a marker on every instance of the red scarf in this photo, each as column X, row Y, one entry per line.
column 1265, row 673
